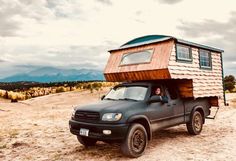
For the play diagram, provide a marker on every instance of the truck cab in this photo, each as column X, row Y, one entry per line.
column 131, row 112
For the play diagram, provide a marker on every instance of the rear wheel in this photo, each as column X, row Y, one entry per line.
column 135, row 142
column 86, row 141
column 195, row 124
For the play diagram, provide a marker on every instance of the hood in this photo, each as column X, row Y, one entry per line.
column 109, row 106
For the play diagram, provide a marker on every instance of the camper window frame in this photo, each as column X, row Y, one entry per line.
column 210, row 59
column 184, row 59
column 128, row 53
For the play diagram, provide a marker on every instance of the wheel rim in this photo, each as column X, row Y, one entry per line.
column 198, row 122
column 138, row 141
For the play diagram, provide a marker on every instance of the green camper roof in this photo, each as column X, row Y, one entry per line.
column 145, row 39
column 150, row 39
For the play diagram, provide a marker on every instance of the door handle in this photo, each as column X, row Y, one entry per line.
column 168, row 105
column 174, row 104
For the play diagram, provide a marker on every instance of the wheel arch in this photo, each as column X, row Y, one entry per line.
column 143, row 120
column 199, row 109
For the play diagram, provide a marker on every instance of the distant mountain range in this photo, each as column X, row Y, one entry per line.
column 52, row 74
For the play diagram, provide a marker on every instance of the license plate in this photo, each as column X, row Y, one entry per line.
column 84, row 132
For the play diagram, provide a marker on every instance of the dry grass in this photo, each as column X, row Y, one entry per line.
column 13, row 133
column 3, row 146
column 39, row 91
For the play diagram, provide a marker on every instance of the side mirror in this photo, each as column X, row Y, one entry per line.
column 102, row 97
column 154, row 99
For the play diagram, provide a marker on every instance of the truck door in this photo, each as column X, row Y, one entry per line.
column 166, row 114
column 158, row 111
column 176, row 103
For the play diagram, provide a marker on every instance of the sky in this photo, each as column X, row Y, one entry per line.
column 78, row 33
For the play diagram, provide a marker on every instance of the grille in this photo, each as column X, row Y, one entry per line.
column 87, row 115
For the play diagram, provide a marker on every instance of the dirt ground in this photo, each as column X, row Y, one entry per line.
column 37, row 129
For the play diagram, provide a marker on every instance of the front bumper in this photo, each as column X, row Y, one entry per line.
column 118, row 131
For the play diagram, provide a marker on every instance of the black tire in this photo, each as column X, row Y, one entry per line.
column 86, row 141
column 195, row 124
column 136, row 141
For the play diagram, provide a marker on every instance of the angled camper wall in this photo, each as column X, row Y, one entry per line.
column 154, row 69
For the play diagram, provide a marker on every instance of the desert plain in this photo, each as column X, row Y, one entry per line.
column 37, row 129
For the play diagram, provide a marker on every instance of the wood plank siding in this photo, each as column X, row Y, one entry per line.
column 138, row 75
column 156, row 69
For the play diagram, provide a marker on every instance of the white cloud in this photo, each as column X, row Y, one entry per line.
column 215, row 33
column 50, row 31
column 170, row 1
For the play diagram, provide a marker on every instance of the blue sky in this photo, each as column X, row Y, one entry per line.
column 78, row 33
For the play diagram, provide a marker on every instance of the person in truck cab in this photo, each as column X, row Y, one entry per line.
column 159, row 93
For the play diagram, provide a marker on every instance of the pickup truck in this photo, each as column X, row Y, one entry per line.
column 131, row 112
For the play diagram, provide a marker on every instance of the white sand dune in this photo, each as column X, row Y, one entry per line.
column 37, row 129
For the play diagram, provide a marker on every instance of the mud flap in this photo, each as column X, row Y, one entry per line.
column 213, row 117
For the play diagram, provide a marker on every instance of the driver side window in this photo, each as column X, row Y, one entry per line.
column 172, row 92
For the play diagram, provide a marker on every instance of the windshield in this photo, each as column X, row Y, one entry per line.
column 136, row 93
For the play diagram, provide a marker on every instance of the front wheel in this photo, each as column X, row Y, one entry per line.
column 135, row 142
column 86, row 141
column 195, row 124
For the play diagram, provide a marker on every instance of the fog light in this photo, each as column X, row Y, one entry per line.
column 107, row 132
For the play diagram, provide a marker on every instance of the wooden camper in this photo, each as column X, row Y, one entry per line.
column 196, row 69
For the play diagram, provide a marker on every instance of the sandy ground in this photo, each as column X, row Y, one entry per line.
column 37, row 129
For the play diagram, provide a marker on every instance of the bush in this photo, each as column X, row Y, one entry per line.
column 227, row 91
column 96, row 86
column 15, row 96
column 229, row 82
column 60, row 89
column 234, row 90
column 2, row 93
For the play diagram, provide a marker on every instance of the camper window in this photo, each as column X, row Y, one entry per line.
column 137, row 57
column 205, row 59
column 183, row 53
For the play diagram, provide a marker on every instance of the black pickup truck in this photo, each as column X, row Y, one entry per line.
column 131, row 112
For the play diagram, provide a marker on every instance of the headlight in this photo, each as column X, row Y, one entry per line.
column 111, row 116
column 73, row 113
